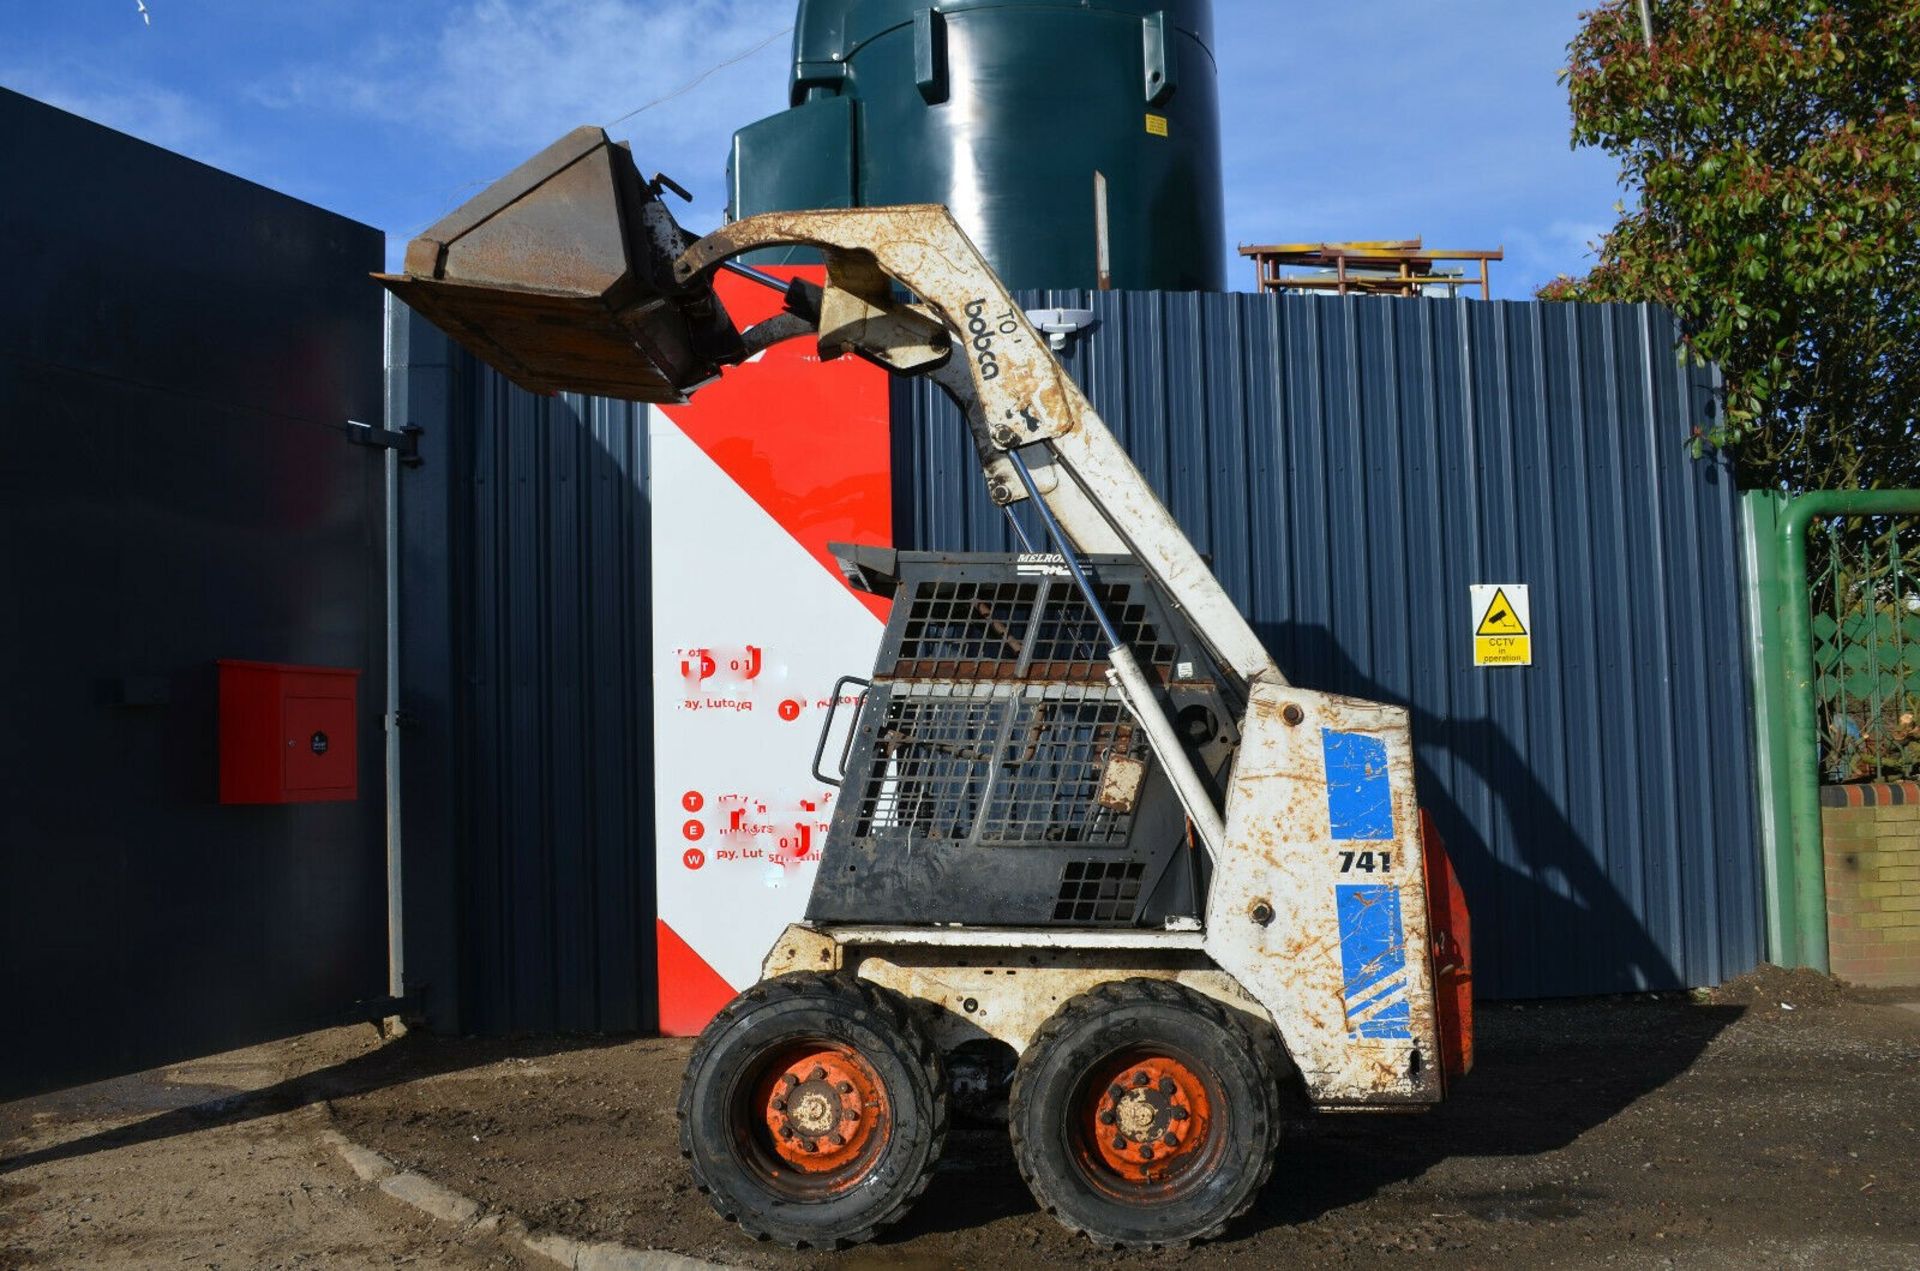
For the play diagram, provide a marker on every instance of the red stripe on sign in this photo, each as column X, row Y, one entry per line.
column 691, row 992
column 807, row 440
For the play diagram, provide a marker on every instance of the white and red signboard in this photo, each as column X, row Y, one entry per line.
column 752, row 625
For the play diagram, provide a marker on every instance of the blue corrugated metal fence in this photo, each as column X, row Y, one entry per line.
column 527, row 751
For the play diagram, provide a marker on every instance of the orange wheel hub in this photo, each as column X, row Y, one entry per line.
column 824, row 1113
column 1145, row 1119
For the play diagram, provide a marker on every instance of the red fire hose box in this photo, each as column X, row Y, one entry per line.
column 287, row 733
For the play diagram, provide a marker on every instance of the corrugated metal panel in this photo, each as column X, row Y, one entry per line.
column 1351, row 466
column 525, row 630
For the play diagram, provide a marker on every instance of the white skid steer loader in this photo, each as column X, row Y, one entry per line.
column 1084, row 818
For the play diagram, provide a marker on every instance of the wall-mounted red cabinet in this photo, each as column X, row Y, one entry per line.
column 287, row 733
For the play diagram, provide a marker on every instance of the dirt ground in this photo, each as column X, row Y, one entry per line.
column 1642, row 1131
column 1773, row 1124
column 215, row 1163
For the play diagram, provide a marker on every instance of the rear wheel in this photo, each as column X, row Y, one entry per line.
column 1145, row 1114
column 813, row 1111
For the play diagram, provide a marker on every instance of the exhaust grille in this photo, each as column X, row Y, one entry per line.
column 1097, row 892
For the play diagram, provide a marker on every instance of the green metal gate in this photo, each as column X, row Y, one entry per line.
column 1836, row 594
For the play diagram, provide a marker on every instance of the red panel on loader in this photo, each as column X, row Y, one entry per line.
column 1451, row 931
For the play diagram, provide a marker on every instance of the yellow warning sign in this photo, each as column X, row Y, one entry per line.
column 1500, row 619
column 1502, row 625
column 1157, row 125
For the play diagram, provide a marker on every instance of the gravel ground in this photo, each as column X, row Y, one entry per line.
column 1772, row 1123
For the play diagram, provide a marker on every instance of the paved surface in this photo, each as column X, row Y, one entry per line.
column 1670, row 1132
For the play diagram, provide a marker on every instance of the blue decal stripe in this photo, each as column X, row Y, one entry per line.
column 1381, row 992
column 1370, row 948
column 1359, row 793
column 1393, row 1024
column 1371, row 977
column 1373, row 962
column 1384, row 1002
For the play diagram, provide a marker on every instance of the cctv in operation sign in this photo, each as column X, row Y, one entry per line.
column 1502, row 625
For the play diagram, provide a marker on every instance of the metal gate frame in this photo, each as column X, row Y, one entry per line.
column 1786, row 723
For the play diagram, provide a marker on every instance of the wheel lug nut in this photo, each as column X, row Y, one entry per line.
column 779, row 1105
column 1140, row 1078
column 818, row 1074
column 1146, row 1151
column 786, row 1131
column 837, row 1139
column 1166, row 1086
column 846, row 1087
column 1119, row 1142
column 851, row 1114
column 1178, row 1114
column 1170, row 1139
column 1116, row 1090
column 1107, row 1117
column 808, row 1145
column 788, row 1080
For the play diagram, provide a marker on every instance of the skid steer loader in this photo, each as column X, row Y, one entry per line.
column 1084, row 817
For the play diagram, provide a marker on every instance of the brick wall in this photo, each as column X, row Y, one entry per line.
column 1872, row 837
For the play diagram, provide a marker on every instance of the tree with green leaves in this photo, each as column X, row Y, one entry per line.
column 1771, row 150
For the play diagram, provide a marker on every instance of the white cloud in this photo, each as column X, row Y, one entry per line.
column 489, row 82
column 514, row 76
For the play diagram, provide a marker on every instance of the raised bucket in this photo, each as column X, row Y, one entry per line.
column 560, row 276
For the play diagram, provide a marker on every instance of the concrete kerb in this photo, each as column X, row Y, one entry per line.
column 369, row 1165
column 442, row 1203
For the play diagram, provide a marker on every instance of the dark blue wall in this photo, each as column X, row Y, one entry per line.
column 180, row 351
column 1351, row 466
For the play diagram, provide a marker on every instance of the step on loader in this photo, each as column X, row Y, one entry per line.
column 1085, row 823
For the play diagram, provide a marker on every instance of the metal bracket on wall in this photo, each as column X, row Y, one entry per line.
column 1058, row 324
column 405, row 440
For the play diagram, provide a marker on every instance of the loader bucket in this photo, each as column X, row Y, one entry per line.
column 560, row 276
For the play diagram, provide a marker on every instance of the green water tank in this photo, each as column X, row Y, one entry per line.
column 1004, row 110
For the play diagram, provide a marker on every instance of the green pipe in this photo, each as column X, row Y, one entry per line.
column 1803, row 725
column 1767, row 596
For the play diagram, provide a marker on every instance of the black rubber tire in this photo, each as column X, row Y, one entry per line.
column 779, row 1013
column 1224, row 1047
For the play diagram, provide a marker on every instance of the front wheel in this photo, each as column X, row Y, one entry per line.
column 1146, row 1115
column 813, row 1111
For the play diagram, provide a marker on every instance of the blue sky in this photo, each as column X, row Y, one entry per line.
column 1368, row 119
